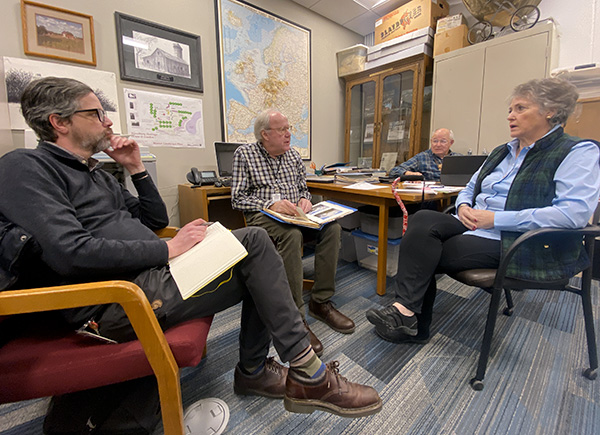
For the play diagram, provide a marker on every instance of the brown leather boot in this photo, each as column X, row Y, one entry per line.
column 331, row 393
column 327, row 313
column 270, row 382
column 314, row 341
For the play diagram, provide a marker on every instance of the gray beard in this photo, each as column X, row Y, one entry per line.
column 96, row 145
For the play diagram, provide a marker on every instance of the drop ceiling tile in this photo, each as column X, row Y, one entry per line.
column 307, row 3
column 339, row 12
column 363, row 24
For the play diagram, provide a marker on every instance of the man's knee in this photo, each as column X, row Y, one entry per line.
column 334, row 228
column 253, row 236
column 291, row 238
column 331, row 234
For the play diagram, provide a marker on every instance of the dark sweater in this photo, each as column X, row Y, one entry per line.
column 88, row 226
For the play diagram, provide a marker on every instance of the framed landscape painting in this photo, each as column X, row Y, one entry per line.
column 57, row 33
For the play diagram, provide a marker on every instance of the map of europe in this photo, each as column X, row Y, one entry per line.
column 266, row 64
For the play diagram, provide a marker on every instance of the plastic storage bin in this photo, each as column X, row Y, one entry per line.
column 351, row 60
column 350, row 222
column 369, row 221
column 366, row 252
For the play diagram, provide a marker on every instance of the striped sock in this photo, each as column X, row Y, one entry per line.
column 308, row 364
column 252, row 370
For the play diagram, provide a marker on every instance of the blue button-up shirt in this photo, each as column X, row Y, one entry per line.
column 577, row 190
column 425, row 162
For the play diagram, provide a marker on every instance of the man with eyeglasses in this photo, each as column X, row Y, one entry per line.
column 269, row 174
column 429, row 163
column 90, row 228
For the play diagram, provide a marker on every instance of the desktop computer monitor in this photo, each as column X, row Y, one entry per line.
column 224, row 152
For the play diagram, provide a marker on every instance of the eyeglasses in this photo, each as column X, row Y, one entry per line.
column 280, row 130
column 100, row 113
column 440, row 141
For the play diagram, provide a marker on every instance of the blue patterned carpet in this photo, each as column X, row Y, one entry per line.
column 534, row 383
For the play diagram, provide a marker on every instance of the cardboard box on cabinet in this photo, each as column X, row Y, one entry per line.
column 450, row 40
column 408, row 18
column 413, row 39
column 450, row 22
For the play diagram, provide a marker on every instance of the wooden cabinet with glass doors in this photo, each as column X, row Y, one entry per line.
column 388, row 110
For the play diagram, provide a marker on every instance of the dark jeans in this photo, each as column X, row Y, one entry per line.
column 434, row 243
column 259, row 281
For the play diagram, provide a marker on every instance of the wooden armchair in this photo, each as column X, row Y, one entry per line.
column 53, row 361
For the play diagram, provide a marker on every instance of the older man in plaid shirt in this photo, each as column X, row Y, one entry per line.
column 269, row 174
column 428, row 163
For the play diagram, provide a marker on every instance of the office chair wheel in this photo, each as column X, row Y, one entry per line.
column 508, row 312
column 476, row 384
column 591, row 374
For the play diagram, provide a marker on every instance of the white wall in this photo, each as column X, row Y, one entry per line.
column 578, row 25
column 198, row 17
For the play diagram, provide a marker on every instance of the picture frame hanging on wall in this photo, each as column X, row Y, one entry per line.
column 57, row 33
column 264, row 63
column 159, row 55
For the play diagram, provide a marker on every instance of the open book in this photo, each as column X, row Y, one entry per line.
column 218, row 252
column 321, row 214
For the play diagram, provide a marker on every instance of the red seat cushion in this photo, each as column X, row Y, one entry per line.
column 58, row 362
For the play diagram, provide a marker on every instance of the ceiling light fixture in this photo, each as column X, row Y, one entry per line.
column 370, row 4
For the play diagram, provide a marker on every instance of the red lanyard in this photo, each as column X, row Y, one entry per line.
column 401, row 204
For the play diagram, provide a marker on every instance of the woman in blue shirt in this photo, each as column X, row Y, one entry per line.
column 541, row 178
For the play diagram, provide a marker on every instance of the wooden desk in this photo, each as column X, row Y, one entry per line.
column 209, row 203
column 382, row 198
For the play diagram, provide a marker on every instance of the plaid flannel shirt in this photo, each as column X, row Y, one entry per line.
column 257, row 177
column 425, row 162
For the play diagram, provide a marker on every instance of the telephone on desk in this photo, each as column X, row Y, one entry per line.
column 207, row 178
column 201, row 178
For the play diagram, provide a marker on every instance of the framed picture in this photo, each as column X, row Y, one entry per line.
column 264, row 63
column 57, row 33
column 159, row 55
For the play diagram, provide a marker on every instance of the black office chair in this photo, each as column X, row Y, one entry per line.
column 494, row 281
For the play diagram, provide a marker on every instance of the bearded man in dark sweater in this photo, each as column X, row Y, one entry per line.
column 90, row 228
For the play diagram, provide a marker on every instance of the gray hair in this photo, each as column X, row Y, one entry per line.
column 263, row 122
column 450, row 132
column 551, row 94
column 43, row 97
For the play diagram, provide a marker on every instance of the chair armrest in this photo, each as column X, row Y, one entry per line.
column 450, row 209
column 140, row 314
column 166, row 232
column 588, row 231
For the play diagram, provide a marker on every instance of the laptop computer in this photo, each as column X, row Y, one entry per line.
column 224, row 152
column 458, row 170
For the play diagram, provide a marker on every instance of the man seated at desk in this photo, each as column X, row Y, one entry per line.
column 428, row 163
column 270, row 174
